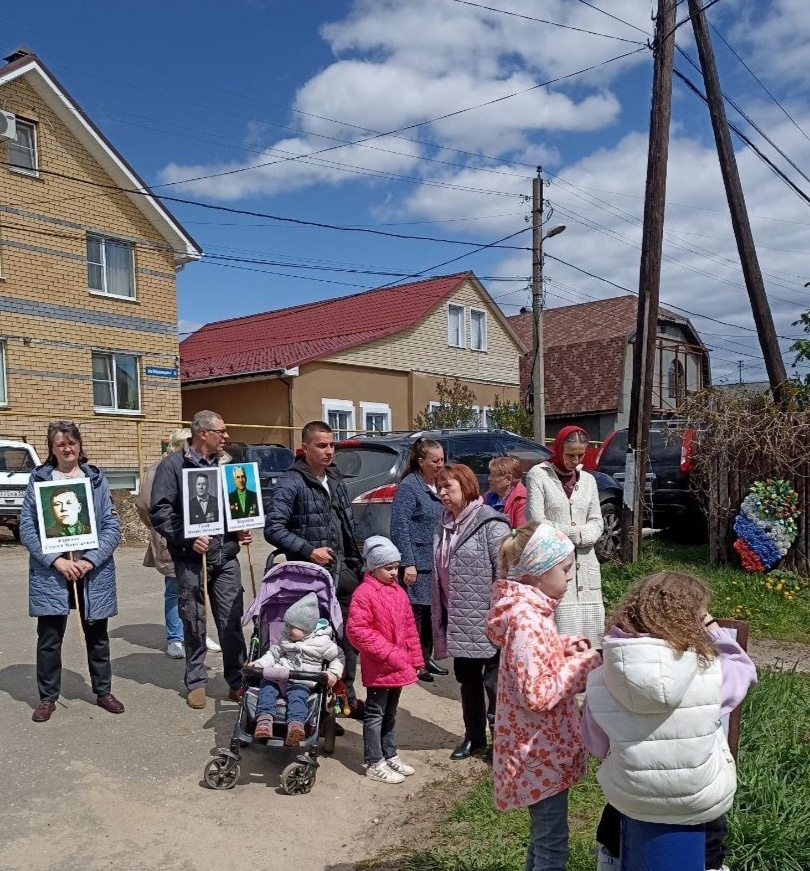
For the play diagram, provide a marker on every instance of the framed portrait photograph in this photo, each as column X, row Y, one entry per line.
column 242, row 496
column 202, row 503
column 65, row 515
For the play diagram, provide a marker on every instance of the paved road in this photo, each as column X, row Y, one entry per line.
column 90, row 790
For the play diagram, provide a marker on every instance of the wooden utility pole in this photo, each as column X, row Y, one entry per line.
column 649, row 281
column 739, row 214
column 538, row 302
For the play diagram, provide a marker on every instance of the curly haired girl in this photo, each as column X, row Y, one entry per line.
column 654, row 709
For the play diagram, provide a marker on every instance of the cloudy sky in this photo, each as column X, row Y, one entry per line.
column 428, row 118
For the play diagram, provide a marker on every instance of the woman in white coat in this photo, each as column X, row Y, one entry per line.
column 561, row 493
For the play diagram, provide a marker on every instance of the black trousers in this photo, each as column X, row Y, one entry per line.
column 350, row 672
column 608, row 834
column 479, row 684
column 424, row 628
column 50, row 634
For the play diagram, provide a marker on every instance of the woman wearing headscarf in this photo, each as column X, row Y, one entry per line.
column 560, row 492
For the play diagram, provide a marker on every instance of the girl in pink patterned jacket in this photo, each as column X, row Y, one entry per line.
column 538, row 752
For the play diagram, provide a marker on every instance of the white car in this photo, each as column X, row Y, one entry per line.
column 17, row 461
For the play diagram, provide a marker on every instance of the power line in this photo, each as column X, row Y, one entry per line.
column 544, row 21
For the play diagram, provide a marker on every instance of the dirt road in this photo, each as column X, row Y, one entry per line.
column 90, row 790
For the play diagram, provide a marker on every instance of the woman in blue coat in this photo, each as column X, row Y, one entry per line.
column 415, row 516
column 50, row 576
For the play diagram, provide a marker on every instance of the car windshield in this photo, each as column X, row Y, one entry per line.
column 270, row 460
column 15, row 460
column 361, row 462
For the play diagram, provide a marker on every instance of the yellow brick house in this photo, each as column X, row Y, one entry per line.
column 88, row 297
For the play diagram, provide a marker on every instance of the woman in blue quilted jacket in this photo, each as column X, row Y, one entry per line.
column 51, row 576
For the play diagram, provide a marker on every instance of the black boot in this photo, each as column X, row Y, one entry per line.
column 435, row 668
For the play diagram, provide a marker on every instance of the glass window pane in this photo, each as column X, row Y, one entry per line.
column 95, row 279
column 3, row 399
column 119, row 268
column 455, row 326
column 477, row 330
column 102, row 381
column 22, row 153
column 126, row 383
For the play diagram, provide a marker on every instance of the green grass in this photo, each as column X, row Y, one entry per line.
column 735, row 593
column 768, row 827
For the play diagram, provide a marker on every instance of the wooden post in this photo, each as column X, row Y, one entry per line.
column 649, row 280
column 205, row 587
column 739, row 214
column 538, row 303
column 79, row 627
column 252, row 576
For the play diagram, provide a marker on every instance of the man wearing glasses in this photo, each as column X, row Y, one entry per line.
column 202, row 451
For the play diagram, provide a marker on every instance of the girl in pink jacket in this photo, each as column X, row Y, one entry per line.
column 382, row 628
column 537, row 750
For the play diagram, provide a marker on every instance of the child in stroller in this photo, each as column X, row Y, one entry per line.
column 283, row 585
column 305, row 646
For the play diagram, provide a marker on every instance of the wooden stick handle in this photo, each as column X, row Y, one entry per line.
column 205, row 587
column 252, row 576
column 82, row 641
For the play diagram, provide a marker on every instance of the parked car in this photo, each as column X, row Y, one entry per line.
column 17, row 461
column 672, row 503
column 372, row 467
column 272, row 461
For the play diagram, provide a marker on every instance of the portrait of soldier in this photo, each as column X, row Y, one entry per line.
column 243, row 501
column 66, row 508
column 203, row 505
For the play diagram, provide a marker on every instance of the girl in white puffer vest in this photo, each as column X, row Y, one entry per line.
column 654, row 709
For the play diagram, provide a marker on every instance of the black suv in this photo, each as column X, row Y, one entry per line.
column 673, row 504
column 272, row 461
column 373, row 465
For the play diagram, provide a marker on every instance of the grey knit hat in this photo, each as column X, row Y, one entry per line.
column 380, row 551
column 304, row 614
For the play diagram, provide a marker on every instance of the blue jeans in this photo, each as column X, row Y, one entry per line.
column 174, row 625
column 297, row 695
column 548, row 834
column 380, row 723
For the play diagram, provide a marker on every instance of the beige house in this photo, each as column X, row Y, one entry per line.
column 367, row 362
column 88, row 302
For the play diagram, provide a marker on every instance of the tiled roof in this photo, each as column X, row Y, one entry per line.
column 584, row 355
column 294, row 336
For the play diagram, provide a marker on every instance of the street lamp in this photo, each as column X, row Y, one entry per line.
column 538, row 304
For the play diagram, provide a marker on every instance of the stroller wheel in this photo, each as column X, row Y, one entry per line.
column 221, row 773
column 297, row 778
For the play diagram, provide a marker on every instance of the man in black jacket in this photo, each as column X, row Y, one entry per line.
column 202, row 451
column 309, row 518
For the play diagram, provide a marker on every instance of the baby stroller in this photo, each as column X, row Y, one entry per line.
column 283, row 584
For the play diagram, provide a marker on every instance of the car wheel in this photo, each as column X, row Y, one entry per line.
column 608, row 546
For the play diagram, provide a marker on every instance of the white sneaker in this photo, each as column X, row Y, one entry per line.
column 382, row 773
column 175, row 650
column 606, row 862
column 397, row 764
column 211, row 645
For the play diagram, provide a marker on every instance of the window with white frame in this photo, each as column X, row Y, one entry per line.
column 116, row 382
column 22, row 154
column 376, row 417
column 676, row 380
column 478, row 329
column 455, row 326
column 110, row 267
column 339, row 414
column 3, row 394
